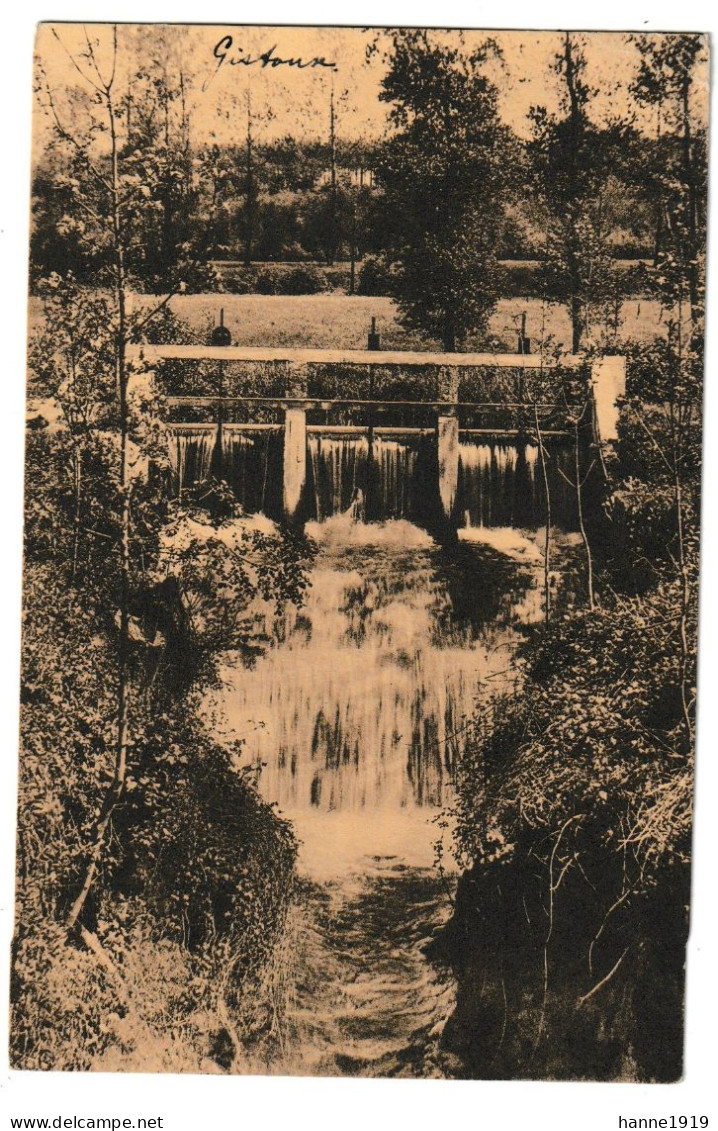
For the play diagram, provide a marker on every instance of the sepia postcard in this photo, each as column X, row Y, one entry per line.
column 361, row 547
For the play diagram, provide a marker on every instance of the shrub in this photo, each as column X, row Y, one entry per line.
column 195, row 882
column 574, row 811
column 266, row 281
column 238, row 284
column 374, row 277
column 304, row 279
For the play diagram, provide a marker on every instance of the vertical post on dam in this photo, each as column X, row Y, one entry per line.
column 608, row 382
column 220, row 336
column 447, row 431
column 295, row 444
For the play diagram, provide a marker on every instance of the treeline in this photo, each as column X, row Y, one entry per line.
column 297, row 201
column 293, row 213
column 427, row 215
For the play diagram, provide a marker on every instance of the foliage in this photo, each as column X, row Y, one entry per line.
column 572, row 165
column 214, row 573
column 678, row 179
column 447, row 140
column 300, row 280
column 71, row 354
column 574, row 814
column 604, row 691
column 303, row 280
column 374, row 277
column 194, row 886
column 187, row 198
column 196, row 862
column 163, row 227
column 574, row 806
column 106, row 689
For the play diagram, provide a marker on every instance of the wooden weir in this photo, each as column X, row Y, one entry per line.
column 607, row 380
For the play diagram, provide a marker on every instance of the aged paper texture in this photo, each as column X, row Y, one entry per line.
column 363, row 466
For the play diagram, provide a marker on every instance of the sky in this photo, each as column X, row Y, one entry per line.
column 291, row 100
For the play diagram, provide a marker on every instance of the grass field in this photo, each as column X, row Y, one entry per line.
column 341, row 321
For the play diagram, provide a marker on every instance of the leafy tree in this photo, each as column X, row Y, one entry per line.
column 163, row 232
column 443, row 172
column 574, row 802
column 110, row 409
column 667, row 80
column 570, row 162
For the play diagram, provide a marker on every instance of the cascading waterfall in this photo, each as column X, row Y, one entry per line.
column 336, row 466
column 251, row 464
column 397, row 463
column 359, row 713
column 238, row 448
column 250, row 461
column 501, row 485
column 488, row 475
column 340, row 469
column 354, row 719
column 190, row 448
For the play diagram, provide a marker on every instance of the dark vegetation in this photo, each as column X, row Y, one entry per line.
column 574, row 805
column 168, row 961
column 248, row 214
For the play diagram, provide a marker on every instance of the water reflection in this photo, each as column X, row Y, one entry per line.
column 363, row 706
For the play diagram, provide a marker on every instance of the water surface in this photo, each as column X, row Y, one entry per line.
column 354, row 720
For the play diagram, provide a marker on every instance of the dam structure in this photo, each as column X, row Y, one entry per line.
column 443, row 440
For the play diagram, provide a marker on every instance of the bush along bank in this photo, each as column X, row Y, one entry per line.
column 574, row 803
column 171, row 966
column 172, row 969
column 570, row 924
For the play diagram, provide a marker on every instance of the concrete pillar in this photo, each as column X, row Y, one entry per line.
column 608, row 382
column 447, row 431
column 295, row 447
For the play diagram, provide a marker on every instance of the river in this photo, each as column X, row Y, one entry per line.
column 354, row 720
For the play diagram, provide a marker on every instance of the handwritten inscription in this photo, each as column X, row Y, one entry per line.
column 229, row 54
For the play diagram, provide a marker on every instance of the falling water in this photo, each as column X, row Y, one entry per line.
column 250, row 461
column 340, row 468
column 252, row 465
column 502, row 485
column 499, row 484
column 190, row 448
column 355, row 719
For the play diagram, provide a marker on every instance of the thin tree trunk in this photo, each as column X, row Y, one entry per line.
column 685, row 609
column 353, row 263
column 77, row 487
column 249, row 197
column 449, row 334
column 576, row 323
column 547, row 492
column 575, row 121
column 692, row 204
column 116, row 789
column 581, row 524
column 333, row 179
